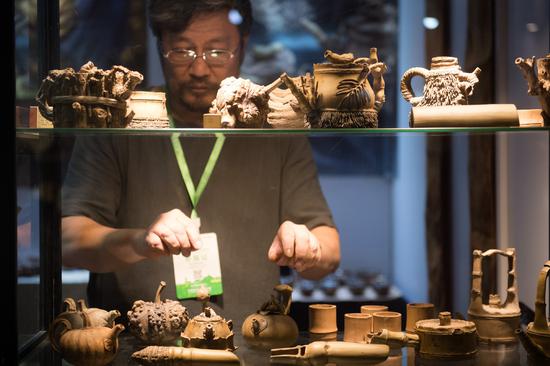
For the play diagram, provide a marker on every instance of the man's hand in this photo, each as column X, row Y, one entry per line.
column 295, row 246
column 171, row 233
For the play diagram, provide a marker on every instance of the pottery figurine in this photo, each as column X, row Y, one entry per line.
column 159, row 322
column 339, row 93
column 322, row 353
column 445, row 83
column 271, row 326
column 99, row 317
column 536, row 337
column 175, row 356
column 87, row 346
column 496, row 321
column 539, row 83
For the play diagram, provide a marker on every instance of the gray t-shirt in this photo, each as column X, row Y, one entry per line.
column 258, row 182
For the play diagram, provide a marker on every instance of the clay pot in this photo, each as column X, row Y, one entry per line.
column 88, row 346
column 357, row 326
column 322, row 322
column 416, row 312
column 159, row 322
column 446, row 337
column 271, row 327
column 209, row 330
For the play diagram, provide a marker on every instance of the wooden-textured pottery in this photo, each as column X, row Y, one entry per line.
column 497, row 321
column 445, row 83
column 158, row 322
column 416, row 312
column 357, row 327
column 322, row 322
column 271, row 326
column 537, row 334
column 371, row 309
column 390, row 320
column 339, row 353
column 539, row 81
column 446, row 337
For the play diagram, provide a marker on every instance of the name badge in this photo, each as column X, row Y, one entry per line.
column 201, row 269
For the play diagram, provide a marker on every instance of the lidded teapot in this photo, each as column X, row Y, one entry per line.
column 271, row 326
column 445, row 83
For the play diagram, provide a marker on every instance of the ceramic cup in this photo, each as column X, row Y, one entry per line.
column 322, row 322
column 416, row 312
column 389, row 320
column 371, row 309
column 357, row 326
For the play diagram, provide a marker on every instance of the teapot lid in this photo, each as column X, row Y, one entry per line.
column 444, row 325
column 208, row 315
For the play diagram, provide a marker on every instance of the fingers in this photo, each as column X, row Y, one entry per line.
column 295, row 246
column 173, row 233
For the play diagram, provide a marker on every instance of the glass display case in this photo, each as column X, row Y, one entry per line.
column 43, row 153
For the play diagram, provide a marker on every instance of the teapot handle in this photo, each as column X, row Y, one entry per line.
column 406, row 87
column 540, row 322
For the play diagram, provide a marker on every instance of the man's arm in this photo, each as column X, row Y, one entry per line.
column 98, row 248
column 314, row 254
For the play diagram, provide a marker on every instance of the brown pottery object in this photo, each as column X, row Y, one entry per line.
column 539, row 83
column 371, row 309
column 322, row 322
column 497, row 321
column 445, row 83
column 159, row 322
column 390, row 320
column 176, row 356
column 323, row 353
column 446, row 337
column 536, row 338
column 87, row 346
column 90, row 97
column 416, row 312
column 357, row 327
column 271, row 326
column 209, row 330
column 339, row 94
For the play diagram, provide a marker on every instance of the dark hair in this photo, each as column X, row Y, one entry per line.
column 175, row 15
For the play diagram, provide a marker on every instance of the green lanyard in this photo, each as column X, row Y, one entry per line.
column 195, row 194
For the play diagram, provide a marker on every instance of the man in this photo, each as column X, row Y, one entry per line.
column 127, row 210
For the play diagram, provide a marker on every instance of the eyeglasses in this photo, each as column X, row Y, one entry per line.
column 181, row 56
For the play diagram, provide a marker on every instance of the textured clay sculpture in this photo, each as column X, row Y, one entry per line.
column 395, row 339
column 446, row 337
column 87, row 346
column 159, row 322
column 323, row 353
column 90, row 97
column 98, row 317
column 175, row 356
column 539, row 83
column 322, row 322
column 339, row 94
column 496, row 321
column 536, row 338
column 271, row 326
column 445, row 83
column 208, row 330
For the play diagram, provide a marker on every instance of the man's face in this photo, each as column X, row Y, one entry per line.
column 194, row 86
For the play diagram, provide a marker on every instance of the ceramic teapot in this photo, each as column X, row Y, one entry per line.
column 539, row 83
column 159, row 322
column 271, row 327
column 209, row 330
column 536, row 338
column 86, row 346
column 339, row 94
column 445, row 83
